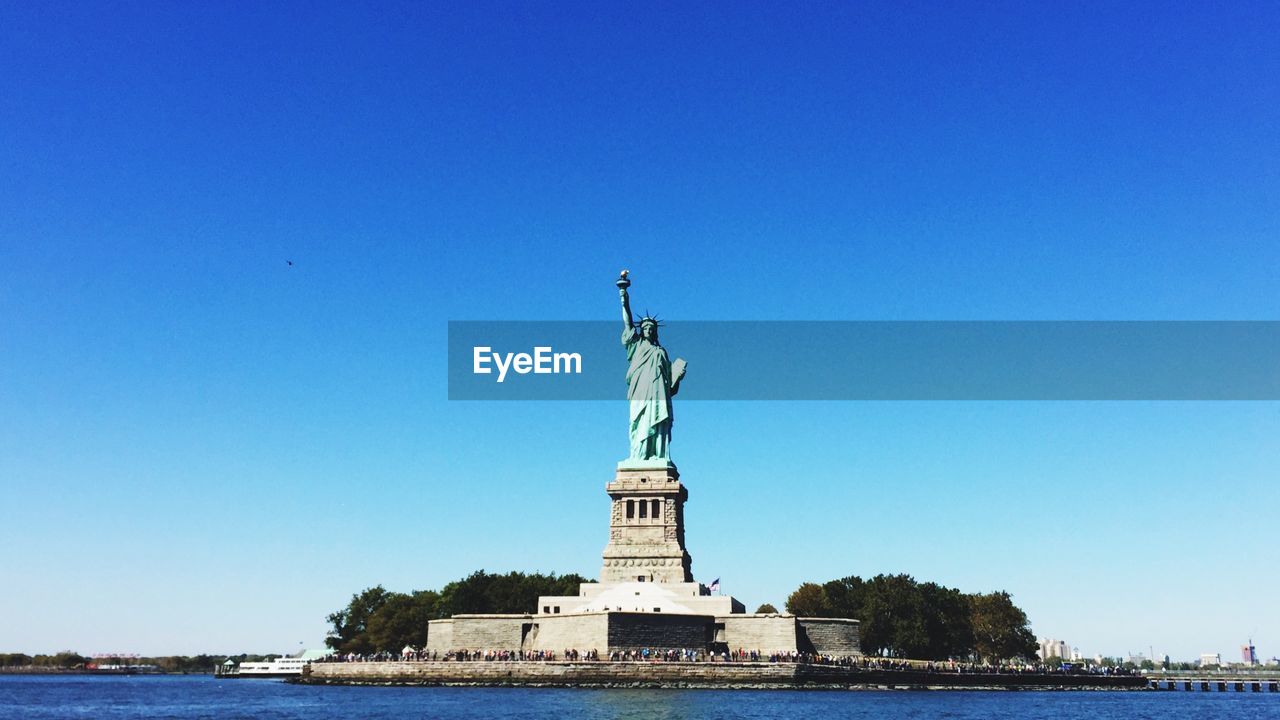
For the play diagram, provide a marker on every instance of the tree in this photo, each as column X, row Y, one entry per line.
column 402, row 620
column 351, row 623
column 766, row 609
column 809, row 600
column 1000, row 628
column 948, row 622
column 380, row 621
column 893, row 617
column 65, row 659
column 901, row 617
column 14, row 660
column 846, row 596
column 515, row 592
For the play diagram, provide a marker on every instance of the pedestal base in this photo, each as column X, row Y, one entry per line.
column 646, row 525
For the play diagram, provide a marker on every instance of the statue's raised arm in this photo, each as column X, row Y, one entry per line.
column 623, row 284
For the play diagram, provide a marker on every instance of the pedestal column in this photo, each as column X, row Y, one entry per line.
column 646, row 526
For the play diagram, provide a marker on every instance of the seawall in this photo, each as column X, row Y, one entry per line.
column 676, row 674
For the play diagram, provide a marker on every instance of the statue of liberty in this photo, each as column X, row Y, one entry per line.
column 652, row 380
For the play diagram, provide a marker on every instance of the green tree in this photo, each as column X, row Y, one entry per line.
column 901, row 617
column 15, row 660
column 1000, row 628
column 514, row 592
column 402, row 620
column 377, row 620
column 66, row 659
column 948, row 622
column 350, row 625
column 809, row 600
column 846, row 596
column 893, row 617
column 199, row 663
column 766, row 609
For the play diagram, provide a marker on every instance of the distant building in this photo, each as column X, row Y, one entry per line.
column 1249, row 654
column 1076, row 655
column 1210, row 659
column 1053, row 649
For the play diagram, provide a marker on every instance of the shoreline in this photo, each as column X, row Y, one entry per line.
column 675, row 675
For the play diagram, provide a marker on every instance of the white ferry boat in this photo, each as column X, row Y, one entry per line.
column 282, row 667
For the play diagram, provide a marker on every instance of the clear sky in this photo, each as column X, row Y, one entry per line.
column 203, row 448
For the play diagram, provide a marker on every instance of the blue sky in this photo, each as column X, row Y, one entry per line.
column 205, row 449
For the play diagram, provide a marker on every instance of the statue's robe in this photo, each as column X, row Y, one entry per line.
column 649, row 390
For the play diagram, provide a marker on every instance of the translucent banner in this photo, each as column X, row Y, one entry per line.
column 745, row 360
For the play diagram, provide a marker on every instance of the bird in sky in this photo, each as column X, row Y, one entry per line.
column 290, row 262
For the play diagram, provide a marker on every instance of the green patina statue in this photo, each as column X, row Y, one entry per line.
column 652, row 380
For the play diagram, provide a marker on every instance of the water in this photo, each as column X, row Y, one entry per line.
column 201, row 697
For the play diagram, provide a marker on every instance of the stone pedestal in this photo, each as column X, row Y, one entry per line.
column 646, row 526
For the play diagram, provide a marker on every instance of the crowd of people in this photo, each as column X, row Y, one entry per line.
column 517, row 655
column 365, row 657
column 962, row 667
column 692, row 655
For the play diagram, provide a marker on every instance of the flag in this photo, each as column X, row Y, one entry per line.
column 715, row 585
